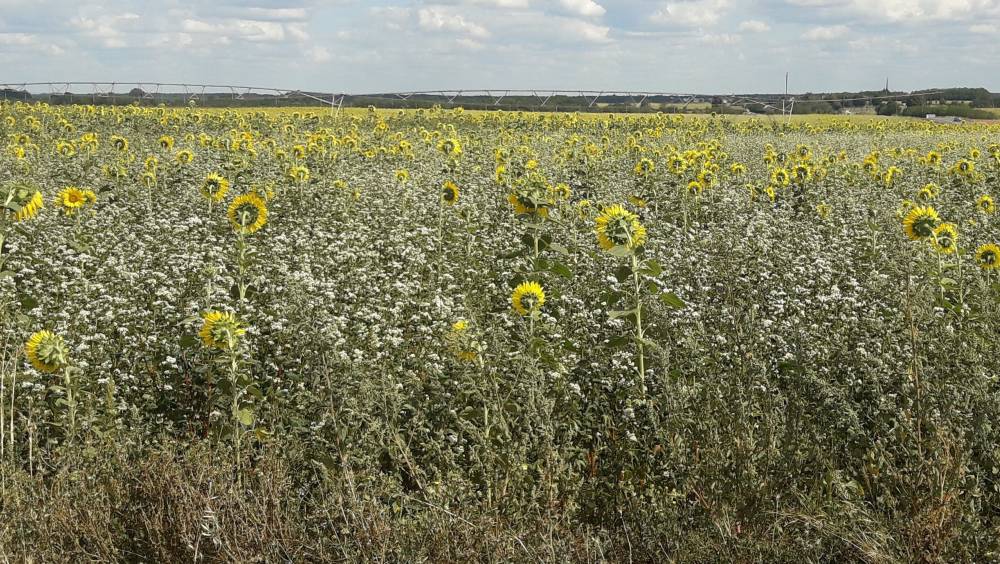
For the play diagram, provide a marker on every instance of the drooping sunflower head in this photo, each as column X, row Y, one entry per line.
column 220, row 330
column 26, row 200
column 780, row 177
column 929, row 192
column 298, row 174
column 247, row 213
column 988, row 256
column 801, row 173
column 945, row 238
column 46, row 351
column 892, row 174
column 215, row 187
column 964, row 168
column 738, row 169
column 402, row 176
column 618, row 227
column 695, row 188
column 449, row 193
column 65, row 149
column 528, row 298
column 919, row 223
column 644, row 167
column 119, row 143
column 986, row 204
column 166, row 142
column 933, row 158
column 450, row 146
column 184, row 157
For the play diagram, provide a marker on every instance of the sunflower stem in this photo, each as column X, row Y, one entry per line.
column 638, row 327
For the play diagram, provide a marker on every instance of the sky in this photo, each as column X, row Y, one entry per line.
column 684, row 46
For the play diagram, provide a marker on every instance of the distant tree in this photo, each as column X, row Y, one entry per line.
column 890, row 108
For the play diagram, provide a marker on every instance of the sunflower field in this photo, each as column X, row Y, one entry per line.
column 440, row 335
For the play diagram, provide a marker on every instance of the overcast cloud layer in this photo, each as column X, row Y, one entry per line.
column 704, row 46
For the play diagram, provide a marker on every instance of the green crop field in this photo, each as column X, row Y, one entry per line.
column 441, row 335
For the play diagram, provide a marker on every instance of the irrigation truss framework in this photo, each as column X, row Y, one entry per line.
column 154, row 92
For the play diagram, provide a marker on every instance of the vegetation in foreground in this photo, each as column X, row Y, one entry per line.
column 441, row 335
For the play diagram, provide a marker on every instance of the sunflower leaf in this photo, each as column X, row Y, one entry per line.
column 672, row 300
column 618, row 314
column 561, row 269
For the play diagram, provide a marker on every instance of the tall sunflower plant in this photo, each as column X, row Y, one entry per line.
column 621, row 235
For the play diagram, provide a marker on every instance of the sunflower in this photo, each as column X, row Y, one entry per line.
column 929, row 192
column 402, row 176
column 801, row 173
column 120, row 143
column 964, row 168
column 220, row 330
column 299, row 174
column 780, row 177
column 738, row 169
column 644, row 168
column 46, row 351
column 528, row 298
column 676, row 164
column 695, row 188
column 65, row 149
column 945, row 238
column 892, row 174
column 215, row 187
column 166, row 142
column 618, row 227
column 26, row 200
column 461, row 343
column 247, row 213
column 920, row 222
column 988, row 256
column 184, row 157
column 986, row 205
column 450, row 147
column 823, row 209
column 933, row 158
column 449, row 193
column 71, row 199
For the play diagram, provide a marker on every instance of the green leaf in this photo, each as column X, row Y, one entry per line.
column 28, row 303
column 7, row 274
column 671, row 300
column 652, row 268
column 189, row 342
column 561, row 269
column 619, row 342
column 620, row 251
column 620, row 314
column 559, row 248
column 623, row 273
column 245, row 417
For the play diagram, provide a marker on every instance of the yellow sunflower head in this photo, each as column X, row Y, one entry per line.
column 299, row 174
column 184, row 157
column 24, row 201
column 945, row 238
column 247, row 213
column 528, row 298
column 215, row 187
column 449, row 193
column 450, row 147
column 402, row 176
column 988, row 256
column 986, row 204
column 644, row 167
column 220, row 330
column 166, row 142
column 47, row 352
column 618, row 227
column 119, row 143
column 920, row 222
column 929, row 192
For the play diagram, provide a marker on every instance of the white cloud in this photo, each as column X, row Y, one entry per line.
column 984, row 29
column 907, row 10
column 754, row 26
column 106, row 29
column 17, row 39
column 690, row 13
column 826, row 33
column 585, row 31
column 318, row 54
column 435, row 18
column 719, row 38
column 586, row 8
